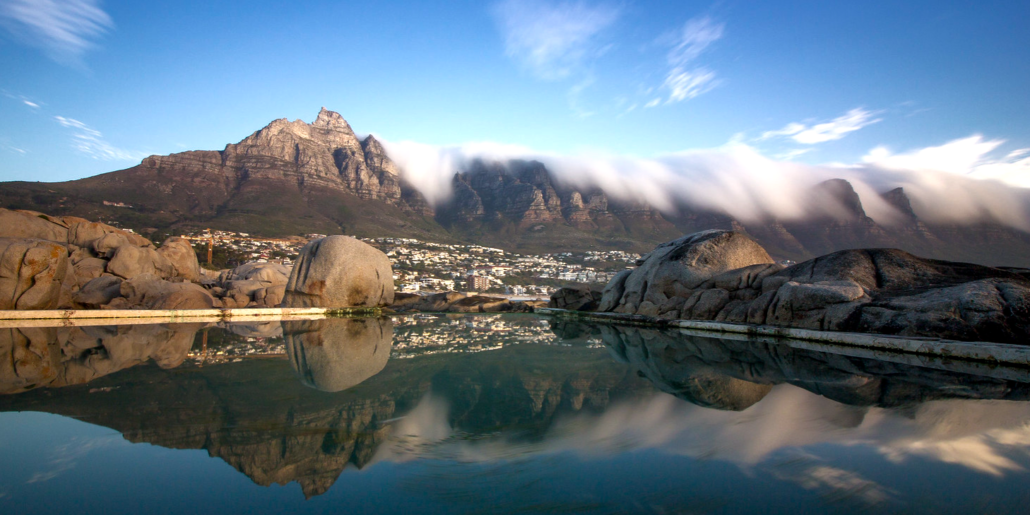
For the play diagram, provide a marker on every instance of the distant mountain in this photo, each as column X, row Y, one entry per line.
column 299, row 178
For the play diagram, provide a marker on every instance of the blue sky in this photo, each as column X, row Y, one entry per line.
column 89, row 87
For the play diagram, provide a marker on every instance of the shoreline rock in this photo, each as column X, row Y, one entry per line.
column 725, row 276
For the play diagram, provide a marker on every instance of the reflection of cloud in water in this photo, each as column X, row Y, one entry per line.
column 63, row 458
column 975, row 434
column 418, row 432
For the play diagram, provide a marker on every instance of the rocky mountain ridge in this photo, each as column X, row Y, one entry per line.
column 296, row 178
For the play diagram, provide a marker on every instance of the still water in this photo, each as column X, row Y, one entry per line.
column 495, row 414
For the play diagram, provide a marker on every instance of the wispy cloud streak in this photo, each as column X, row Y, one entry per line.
column 64, row 29
column 832, row 130
column 683, row 80
column 90, row 141
column 552, row 40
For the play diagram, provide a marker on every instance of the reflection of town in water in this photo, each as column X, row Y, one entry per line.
column 414, row 335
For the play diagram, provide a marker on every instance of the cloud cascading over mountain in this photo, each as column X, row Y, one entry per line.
column 958, row 182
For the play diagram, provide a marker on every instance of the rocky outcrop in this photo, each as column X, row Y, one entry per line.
column 71, row 263
column 335, row 354
column 340, row 272
column 725, row 276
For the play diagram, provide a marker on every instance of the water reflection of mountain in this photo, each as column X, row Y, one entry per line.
column 733, row 374
column 336, row 400
column 257, row 416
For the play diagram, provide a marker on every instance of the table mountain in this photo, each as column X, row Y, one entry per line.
column 298, row 178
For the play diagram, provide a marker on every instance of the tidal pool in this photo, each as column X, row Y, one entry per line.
column 495, row 414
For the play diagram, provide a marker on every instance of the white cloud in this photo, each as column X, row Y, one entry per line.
column 683, row 81
column 653, row 103
column 64, row 29
column 550, row 39
column 739, row 180
column 90, row 141
column 835, row 129
column 791, row 154
column 30, row 103
column 685, row 85
column 696, row 36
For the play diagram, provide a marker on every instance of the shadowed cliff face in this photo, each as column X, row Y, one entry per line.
column 734, row 374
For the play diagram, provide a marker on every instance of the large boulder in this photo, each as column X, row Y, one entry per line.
column 128, row 261
column 675, row 268
column 148, row 291
column 179, row 252
column 83, row 233
column 255, row 284
column 575, row 298
column 338, row 353
column 88, row 269
column 31, row 273
column 340, row 272
column 98, row 292
column 32, row 225
column 270, row 274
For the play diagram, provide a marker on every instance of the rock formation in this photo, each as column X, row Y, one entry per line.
column 69, row 263
column 340, row 272
column 725, row 276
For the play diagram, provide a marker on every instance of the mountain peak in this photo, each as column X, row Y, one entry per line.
column 899, row 200
column 327, row 119
column 842, row 199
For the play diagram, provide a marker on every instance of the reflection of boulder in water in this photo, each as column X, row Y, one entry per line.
column 335, row 354
column 268, row 329
column 62, row 356
column 736, row 373
column 696, row 382
column 716, row 391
